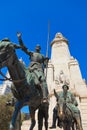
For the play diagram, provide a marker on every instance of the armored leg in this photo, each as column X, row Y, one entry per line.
column 44, row 89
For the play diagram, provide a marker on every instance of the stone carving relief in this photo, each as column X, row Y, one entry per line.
column 61, row 79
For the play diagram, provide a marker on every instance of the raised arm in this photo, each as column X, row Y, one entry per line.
column 23, row 47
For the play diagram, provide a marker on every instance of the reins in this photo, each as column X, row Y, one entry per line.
column 6, row 78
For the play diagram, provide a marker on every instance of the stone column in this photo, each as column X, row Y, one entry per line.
column 50, row 75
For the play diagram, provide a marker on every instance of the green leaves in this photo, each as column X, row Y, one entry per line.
column 5, row 112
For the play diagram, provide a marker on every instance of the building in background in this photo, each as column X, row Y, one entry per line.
column 5, row 87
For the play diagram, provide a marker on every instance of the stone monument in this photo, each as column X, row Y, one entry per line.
column 64, row 67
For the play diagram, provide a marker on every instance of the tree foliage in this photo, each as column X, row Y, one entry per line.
column 5, row 112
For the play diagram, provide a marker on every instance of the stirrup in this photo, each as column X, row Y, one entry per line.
column 11, row 127
column 44, row 100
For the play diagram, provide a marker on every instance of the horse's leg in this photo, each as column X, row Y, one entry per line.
column 46, row 123
column 73, row 125
column 18, row 106
column 64, row 127
column 46, row 116
column 32, row 115
column 78, row 122
column 68, row 126
column 40, row 119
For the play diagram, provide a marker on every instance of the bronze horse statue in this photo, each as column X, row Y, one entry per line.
column 24, row 87
column 68, row 120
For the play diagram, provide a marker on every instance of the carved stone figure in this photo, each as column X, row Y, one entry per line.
column 62, row 77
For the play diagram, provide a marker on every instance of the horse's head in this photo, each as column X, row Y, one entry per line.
column 6, row 52
column 61, row 107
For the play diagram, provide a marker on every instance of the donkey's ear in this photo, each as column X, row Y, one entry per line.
column 55, row 93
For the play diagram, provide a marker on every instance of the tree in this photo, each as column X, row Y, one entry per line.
column 5, row 112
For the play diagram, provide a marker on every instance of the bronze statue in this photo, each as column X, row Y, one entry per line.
column 67, row 110
column 37, row 64
column 25, row 88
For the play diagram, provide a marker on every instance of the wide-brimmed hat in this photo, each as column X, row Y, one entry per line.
column 6, row 39
column 65, row 85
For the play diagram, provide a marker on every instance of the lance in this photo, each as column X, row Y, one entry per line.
column 47, row 46
column 48, row 39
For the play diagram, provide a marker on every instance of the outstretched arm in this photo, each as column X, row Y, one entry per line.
column 23, row 47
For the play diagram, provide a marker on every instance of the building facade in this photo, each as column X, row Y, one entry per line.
column 5, row 87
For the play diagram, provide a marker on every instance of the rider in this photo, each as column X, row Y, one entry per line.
column 37, row 64
column 69, row 98
column 71, row 103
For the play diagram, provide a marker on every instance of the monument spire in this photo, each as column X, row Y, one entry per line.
column 60, row 50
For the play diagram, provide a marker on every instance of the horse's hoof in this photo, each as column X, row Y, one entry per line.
column 52, row 127
column 11, row 127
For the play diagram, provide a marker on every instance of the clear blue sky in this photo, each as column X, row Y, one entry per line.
column 31, row 17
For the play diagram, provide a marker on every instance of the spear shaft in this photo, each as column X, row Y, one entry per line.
column 47, row 45
column 48, row 39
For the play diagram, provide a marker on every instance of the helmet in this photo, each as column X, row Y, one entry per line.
column 38, row 47
column 6, row 39
column 65, row 85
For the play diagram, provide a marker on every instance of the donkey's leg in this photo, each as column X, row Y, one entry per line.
column 79, row 122
column 73, row 125
column 18, row 106
column 32, row 114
